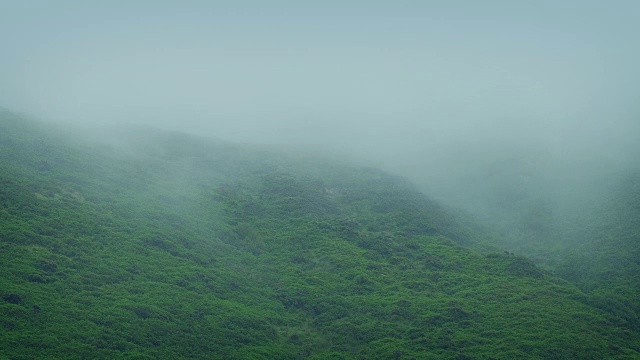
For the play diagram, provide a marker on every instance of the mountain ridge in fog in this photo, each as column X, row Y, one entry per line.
column 194, row 248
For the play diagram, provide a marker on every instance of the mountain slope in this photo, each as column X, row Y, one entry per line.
column 163, row 245
column 603, row 257
column 581, row 223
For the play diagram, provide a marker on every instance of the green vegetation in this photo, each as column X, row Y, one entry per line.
column 181, row 247
column 607, row 263
column 589, row 236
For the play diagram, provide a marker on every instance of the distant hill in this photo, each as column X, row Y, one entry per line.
column 602, row 255
column 143, row 244
column 581, row 223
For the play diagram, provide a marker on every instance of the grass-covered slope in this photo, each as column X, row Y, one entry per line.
column 181, row 247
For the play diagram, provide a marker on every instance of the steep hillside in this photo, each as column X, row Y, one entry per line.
column 163, row 245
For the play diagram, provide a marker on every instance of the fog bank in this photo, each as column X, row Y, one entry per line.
column 437, row 91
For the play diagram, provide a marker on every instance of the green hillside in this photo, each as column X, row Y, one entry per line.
column 582, row 224
column 603, row 251
column 158, row 245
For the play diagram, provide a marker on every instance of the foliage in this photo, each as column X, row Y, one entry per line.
column 182, row 247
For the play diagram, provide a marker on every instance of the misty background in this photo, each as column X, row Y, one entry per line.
column 465, row 98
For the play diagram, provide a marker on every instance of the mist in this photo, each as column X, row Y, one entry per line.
column 338, row 179
column 440, row 92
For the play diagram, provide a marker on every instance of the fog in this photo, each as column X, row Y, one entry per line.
column 440, row 91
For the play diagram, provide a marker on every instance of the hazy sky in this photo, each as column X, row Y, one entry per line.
column 403, row 81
